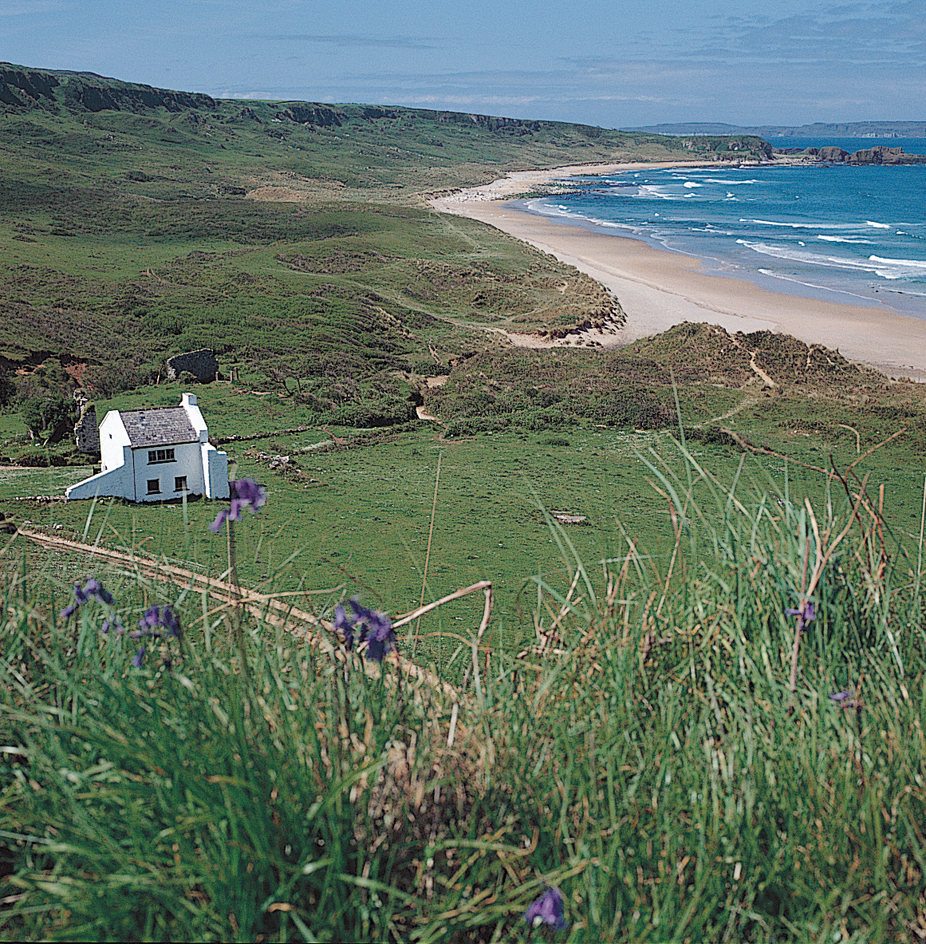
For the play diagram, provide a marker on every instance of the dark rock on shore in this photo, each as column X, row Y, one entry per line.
column 873, row 155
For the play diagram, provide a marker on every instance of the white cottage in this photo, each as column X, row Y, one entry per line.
column 155, row 455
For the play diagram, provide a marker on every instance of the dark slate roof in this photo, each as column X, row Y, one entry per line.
column 162, row 426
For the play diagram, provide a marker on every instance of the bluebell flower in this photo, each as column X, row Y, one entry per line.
column 344, row 626
column 368, row 626
column 155, row 624
column 844, row 699
column 806, row 612
column 92, row 589
column 69, row 611
column 548, row 910
column 113, row 624
column 245, row 493
column 171, row 622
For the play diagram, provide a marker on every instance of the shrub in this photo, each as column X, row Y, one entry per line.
column 42, row 413
column 470, row 425
column 548, row 418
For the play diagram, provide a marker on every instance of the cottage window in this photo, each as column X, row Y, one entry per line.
column 154, row 486
column 180, row 483
column 160, row 455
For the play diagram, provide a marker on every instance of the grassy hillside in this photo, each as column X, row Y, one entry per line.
column 292, row 239
column 721, row 742
column 139, row 222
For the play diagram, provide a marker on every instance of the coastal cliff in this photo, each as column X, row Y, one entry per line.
column 22, row 89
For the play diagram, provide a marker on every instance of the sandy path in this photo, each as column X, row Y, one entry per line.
column 658, row 289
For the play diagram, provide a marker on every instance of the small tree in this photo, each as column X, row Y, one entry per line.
column 45, row 412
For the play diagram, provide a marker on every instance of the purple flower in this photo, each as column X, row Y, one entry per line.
column 548, row 910
column 806, row 612
column 112, row 624
column 370, row 626
column 150, row 619
column 171, row 622
column 92, row 589
column 155, row 624
column 344, row 626
column 69, row 611
column 154, row 620
column 844, row 699
column 245, row 493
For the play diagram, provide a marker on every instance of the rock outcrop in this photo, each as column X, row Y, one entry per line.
column 86, row 430
column 872, row 155
column 203, row 365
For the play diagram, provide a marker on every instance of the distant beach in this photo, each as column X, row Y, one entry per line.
column 658, row 289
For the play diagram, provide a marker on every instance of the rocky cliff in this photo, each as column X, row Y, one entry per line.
column 22, row 89
column 874, row 155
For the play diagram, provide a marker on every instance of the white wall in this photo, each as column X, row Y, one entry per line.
column 187, row 462
column 215, row 464
column 113, row 439
column 114, row 480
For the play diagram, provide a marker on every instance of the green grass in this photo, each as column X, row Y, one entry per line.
column 650, row 758
column 142, row 223
column 361, row 517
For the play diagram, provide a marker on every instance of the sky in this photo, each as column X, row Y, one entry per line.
column 613, row 63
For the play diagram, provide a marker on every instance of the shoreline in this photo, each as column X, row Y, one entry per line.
column 658, row 289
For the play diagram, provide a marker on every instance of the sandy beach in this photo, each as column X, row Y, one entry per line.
column 658, row 289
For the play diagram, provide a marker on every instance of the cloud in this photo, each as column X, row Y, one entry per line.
column 32, row 7
column 883, row 32
column 349, row 40
column 785, row 63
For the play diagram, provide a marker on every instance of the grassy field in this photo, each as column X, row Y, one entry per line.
column 650, row 755
column 358, row 518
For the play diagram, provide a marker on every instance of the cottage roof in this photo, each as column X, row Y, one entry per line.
column 162, row 426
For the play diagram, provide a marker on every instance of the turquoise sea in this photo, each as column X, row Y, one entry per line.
column 843, row 233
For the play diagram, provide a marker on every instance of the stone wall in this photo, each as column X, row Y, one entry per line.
column 203, row 365
column 86, row 430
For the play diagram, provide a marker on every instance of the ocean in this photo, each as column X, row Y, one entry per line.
column 855, row 235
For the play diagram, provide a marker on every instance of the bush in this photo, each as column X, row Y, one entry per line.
column 7, row 387
column 470, row 425
column 389, row 411
column 548, row 418
column 42, row 413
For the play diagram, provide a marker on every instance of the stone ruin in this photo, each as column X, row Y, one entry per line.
column 203, row 365
column 86, row 430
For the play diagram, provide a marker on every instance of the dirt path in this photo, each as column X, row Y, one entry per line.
column 267, row 607
column 423, row 414
column 746, row 403
column 759, row 372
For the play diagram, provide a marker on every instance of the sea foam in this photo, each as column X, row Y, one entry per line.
column 845, row 230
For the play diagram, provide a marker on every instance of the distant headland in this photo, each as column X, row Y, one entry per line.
column 819, row 129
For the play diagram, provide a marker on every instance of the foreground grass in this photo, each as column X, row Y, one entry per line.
column 650, row 755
